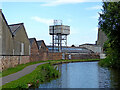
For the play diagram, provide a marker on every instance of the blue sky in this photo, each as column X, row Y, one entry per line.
column 82, row 17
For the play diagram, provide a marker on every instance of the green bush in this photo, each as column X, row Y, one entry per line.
column 112, row 59
column 109, row 23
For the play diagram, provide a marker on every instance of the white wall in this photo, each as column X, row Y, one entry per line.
column 94, row 48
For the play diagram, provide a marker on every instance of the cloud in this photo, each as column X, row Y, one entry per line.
column 43, row 20
column 61, row 2
column 26, row 1
column 94, row 8
column 58, row 2
column 47, row 21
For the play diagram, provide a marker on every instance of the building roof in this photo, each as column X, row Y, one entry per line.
column 87, row 44
column 31, row 41
column 71, row 49
column 5, row 21
column 14, row 27
column 40, row 42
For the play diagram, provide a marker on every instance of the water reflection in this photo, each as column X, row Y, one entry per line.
column 115, row 78
column 104, row 77
column 84, row 75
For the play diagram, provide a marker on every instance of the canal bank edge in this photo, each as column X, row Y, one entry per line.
column 53, row 62
column 22, row 66
column 41, row 74
column 73, row 61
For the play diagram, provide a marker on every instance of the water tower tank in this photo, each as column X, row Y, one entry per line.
column 59, row 29
column 59, row 34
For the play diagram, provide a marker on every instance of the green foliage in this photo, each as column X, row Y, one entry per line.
column 41, row 74
column 109, row 22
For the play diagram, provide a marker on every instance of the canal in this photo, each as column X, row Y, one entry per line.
column 84, row 75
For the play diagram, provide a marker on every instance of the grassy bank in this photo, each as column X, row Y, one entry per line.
column 22, row 66
column 72, row 61
column 42, row 73
column 17, row 68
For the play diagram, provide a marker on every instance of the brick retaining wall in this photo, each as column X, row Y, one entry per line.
column 43, row 56
column 54, row 56
column 34, row 57
column 12, row 61
column 83, row 56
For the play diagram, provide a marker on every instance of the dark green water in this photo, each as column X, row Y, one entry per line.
column 85, row 75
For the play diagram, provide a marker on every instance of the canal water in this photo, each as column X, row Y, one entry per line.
column 84, row 75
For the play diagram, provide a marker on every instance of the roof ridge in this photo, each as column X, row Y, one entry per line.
column 16, row 24
column 31, row 38
column 16, row 29
column 6, row 22
column 40, row 40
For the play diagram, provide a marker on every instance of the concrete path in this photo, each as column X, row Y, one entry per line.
column 18, row 74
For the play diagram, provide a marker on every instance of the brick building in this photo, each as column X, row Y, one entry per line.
column 34, row 50
column 43, row 50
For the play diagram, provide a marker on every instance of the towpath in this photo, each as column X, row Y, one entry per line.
column 19, row 74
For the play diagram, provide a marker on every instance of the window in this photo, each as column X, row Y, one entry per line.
column 22, row 48
column 40, row 47
column 13, row 52
column 29, row 49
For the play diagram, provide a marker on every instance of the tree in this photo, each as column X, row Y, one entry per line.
column 109, row 22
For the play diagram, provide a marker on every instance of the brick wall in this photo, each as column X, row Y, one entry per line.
column 54, row 56
column 12, row 61
column 84, row 56
column 34, row 53
column 43, row 56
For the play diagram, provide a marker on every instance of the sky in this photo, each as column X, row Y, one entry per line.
column 80, row 15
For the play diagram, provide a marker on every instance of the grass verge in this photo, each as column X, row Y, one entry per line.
column 42, row 73
column 17, row 68
column 53, row 62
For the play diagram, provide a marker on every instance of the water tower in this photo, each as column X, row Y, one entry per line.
column 59, row 34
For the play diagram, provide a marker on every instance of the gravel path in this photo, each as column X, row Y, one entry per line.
column 18, row 74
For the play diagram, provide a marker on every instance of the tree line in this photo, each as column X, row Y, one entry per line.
column 109, row 23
